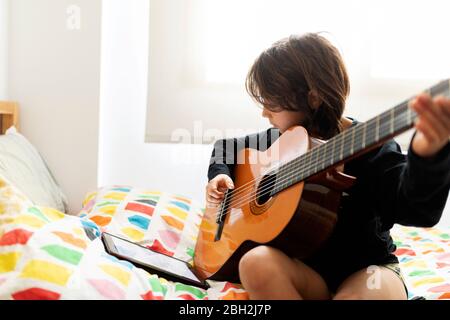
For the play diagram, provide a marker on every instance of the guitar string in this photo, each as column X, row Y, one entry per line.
column 340, row 140
column 343, row 145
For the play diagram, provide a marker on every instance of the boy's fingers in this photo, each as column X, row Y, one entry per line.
column 212, row 199
column 230, row 183
column 222, row 184
column 428, row 116
column 226, row 184
column 439, row 107
column 446, row 106
column 212, row 195
column 211, row 205
column 215, row 191
column 443, row 107
column 427, row 130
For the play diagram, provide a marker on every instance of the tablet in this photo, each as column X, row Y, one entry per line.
column 155, row 262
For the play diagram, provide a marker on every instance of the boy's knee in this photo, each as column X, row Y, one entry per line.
column 256, row 258
column 257, row 265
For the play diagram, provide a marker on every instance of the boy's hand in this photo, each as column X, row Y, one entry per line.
column 215, row 189
column 432, row 124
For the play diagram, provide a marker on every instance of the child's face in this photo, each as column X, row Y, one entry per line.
column 284, row 119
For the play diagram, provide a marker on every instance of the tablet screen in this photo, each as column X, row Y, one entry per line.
column 153, row 259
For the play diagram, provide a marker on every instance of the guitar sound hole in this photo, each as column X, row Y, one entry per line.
column 265, row 188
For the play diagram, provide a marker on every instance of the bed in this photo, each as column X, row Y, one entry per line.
column 9, row 115
column 46, row 254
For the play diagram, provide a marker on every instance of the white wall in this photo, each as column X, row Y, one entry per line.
column 124, row 157
column 4, row 4
column 445, row 220
column 54, row 74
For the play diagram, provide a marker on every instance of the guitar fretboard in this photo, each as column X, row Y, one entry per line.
column 352, row 142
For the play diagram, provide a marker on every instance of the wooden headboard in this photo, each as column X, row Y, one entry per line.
column 9, row 115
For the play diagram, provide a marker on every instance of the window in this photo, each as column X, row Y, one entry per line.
column 201, row 50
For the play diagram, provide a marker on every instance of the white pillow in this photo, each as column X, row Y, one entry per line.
column 23, row 166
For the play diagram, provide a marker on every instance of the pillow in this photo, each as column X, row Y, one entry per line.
column 22, row 165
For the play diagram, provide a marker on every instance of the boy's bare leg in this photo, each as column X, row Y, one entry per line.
column 378, row 284
column 268, row 274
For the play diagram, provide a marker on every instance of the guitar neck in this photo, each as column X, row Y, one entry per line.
column 352, row 142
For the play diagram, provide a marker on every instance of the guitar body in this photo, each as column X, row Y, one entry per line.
column 273, row 221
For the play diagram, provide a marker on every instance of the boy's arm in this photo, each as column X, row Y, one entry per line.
column 411, row 190
column 417, row 189
column 224, row 154
column 424, row 186
column 222, row 158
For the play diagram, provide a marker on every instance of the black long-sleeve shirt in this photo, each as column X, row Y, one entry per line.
column 391, row 188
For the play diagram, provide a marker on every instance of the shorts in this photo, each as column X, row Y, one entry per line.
column 335, row 276
column 396, row 268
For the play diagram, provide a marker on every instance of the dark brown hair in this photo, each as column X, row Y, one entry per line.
column 284, row 74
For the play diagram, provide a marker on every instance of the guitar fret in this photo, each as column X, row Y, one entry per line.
column 409, row 115
column 358, row 143
column 314, row 161
column 391, row 122
column 348, row 143
column 370, row 134
column 336, row 149
column 377, row 128
column 299, row 166
column 324, row 164
column 384, row 127
column 364, row 135
column 310, row 161
column 317, row 158
column 291, row 166
column 332, row 150
column 353, row 140
column 307, row 164
column 439, row 88
column 400, row 117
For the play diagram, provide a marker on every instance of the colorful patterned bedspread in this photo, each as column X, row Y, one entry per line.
column 45, row 254
column 424, row 255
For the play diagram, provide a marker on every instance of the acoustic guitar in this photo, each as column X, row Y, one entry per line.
column 288, row 196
